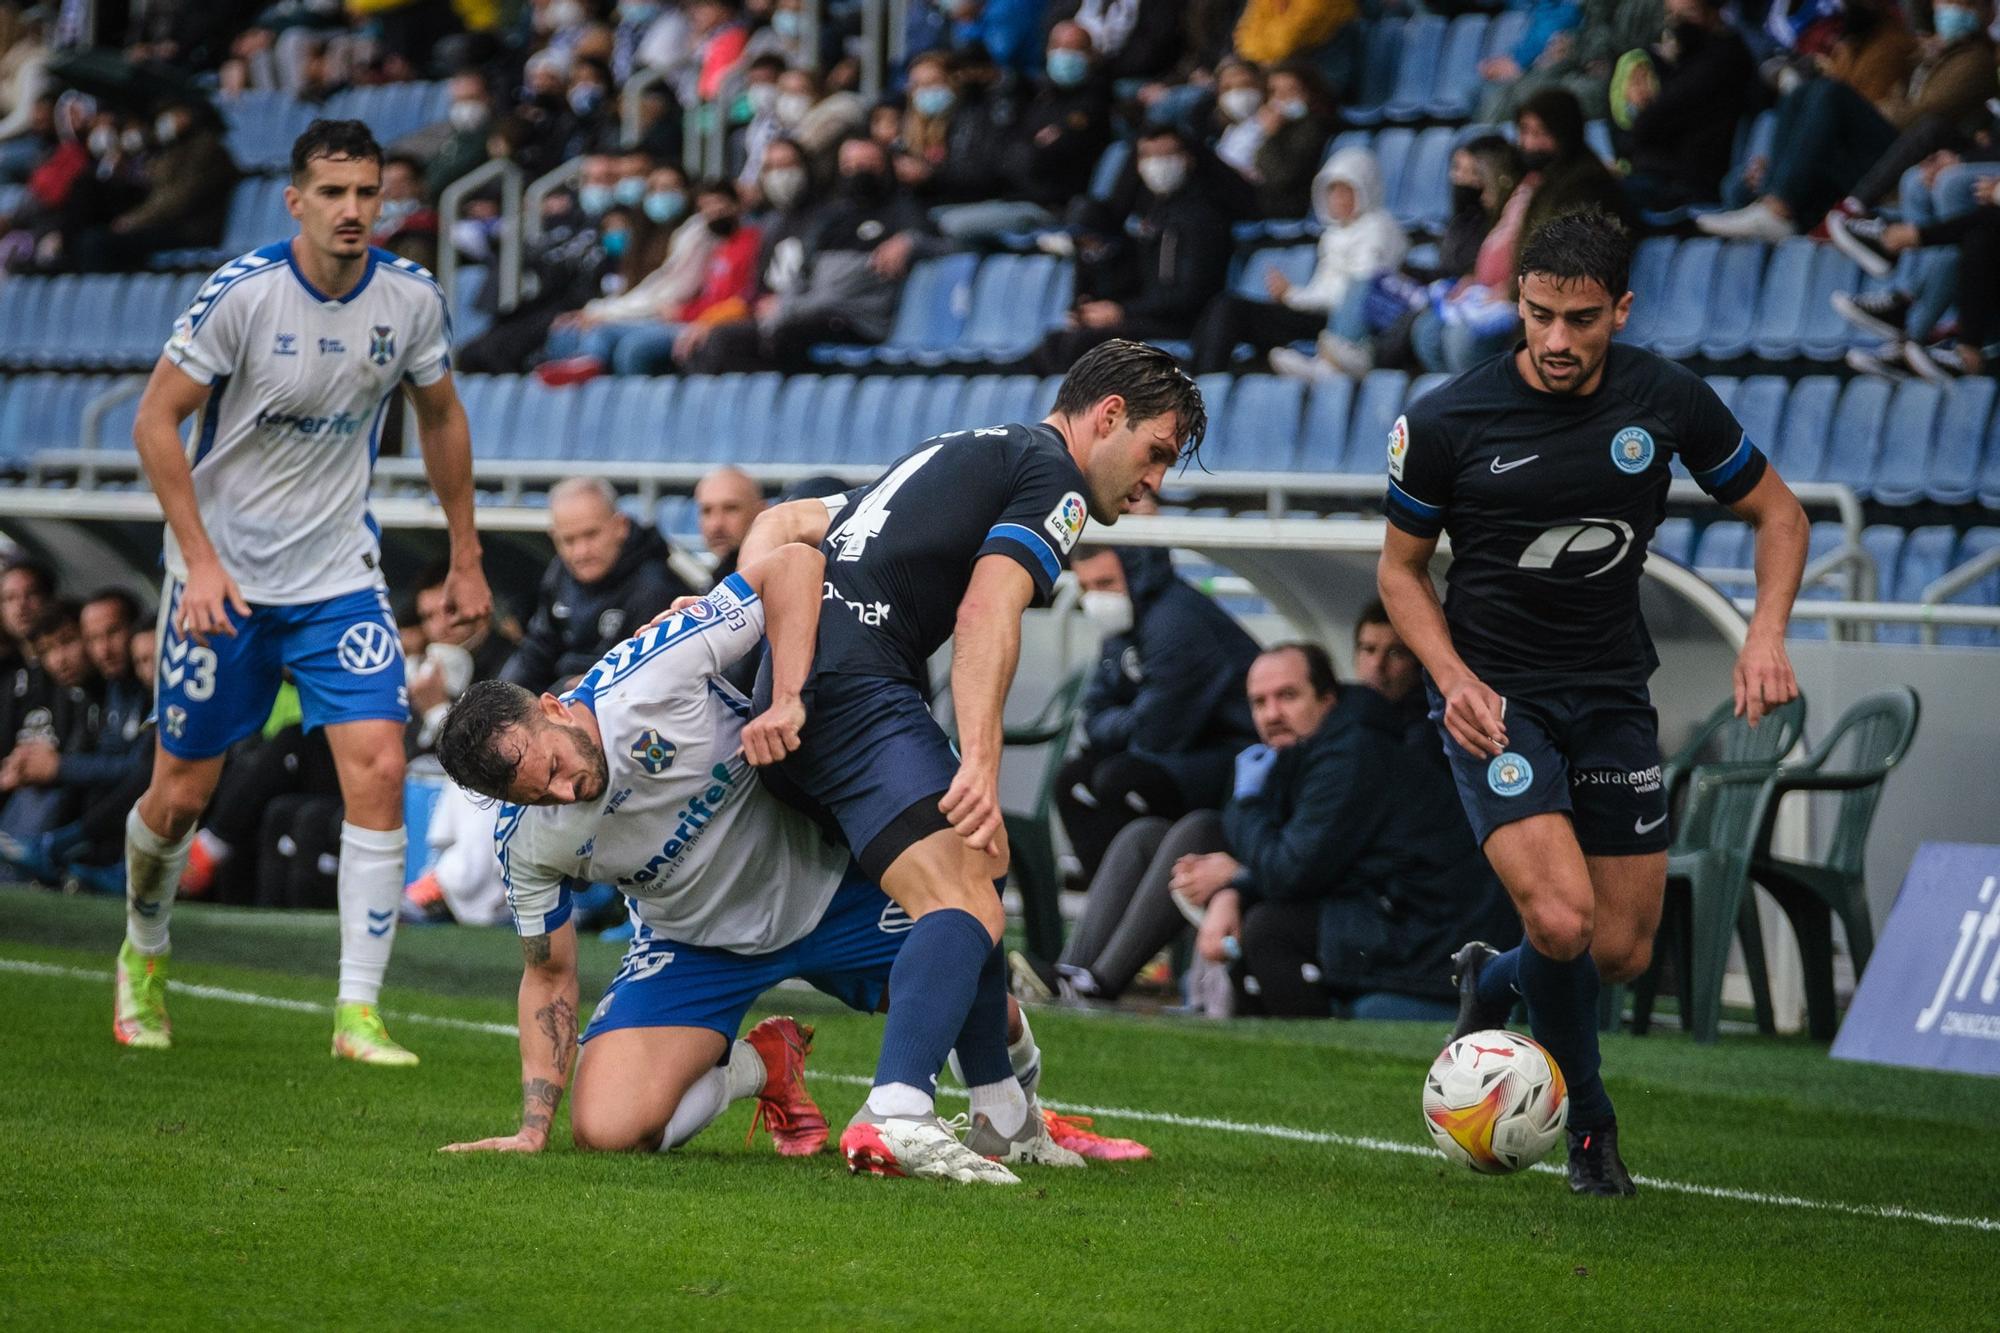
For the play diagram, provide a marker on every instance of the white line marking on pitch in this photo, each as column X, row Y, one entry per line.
column 1889, row 1212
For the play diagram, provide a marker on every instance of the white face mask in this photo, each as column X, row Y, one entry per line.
column 792, row 107
column 467, row 117
column 1164, row 175
column 559, row 16
column 762, row 98
column 166, row 129
column 102, row 140
column 1239, row 104
column 1111, row 612
column 784, row 185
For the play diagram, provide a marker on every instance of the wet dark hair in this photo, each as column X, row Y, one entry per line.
column 331, row 139
column 1588, row 244
column 1319, row 664
column 466, row 742
column 1150, row 381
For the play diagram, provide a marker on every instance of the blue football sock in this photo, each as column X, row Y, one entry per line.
column 1562, row 1014
column 1499, row 978
column 931, row 988
column 982, row 1042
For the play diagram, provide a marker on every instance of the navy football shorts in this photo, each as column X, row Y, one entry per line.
column 1590, row 753
column 872, row 762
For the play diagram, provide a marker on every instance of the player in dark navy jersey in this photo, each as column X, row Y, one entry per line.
column 1548, row 468
column 954, row 542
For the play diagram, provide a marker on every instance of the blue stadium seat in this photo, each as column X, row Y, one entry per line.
column 930, row 316
column 1777, row 330
column 997, row 400
column 1422, row 385
column 468, row 321
column 1986, row 592
column 1652, row 265
column 1823, row 334
column 678, row 519
column 1908, row 444
column 641, row 413
column 1384, row 53
column 898, row 426
column 1104, row 176
column 1825, row 538
column 826, row 435
column 1261, row 430
column 1392, row 149
column 1953, row 475
column 1800, row 447
column 1422, row 200
column 1927, row 554
column 1044, row 400
column 1504, row 34
column 1759, row 403
column 1691, row 290
column 1006, row 320
column 795, row 421
column 1455, row 91
column 1674, row 539
column 1416, row 71
column 1294, row 261
column 1884, row 544
column 114, row 430
column 536, row 425
column 1988, row 485
column 1376, row 407
column 868, row 438
column 1855, row 440
column 1323, row 438
column 60, row 313
column 1722, row 554
column 24, row 305
column 587, row 421
column 1731, row 307
column 938, row 408
column 493, row 412
column 1215, row 397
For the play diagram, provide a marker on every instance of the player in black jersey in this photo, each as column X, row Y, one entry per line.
column 954, row 542
column 1548, row 468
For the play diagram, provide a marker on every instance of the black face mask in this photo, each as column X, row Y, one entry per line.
column 1689, row 38
column 1465, row 200
column 723, row 226
column 1540, row 160
column 865, row 186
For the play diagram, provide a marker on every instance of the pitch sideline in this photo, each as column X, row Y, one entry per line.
column 1288, row 1133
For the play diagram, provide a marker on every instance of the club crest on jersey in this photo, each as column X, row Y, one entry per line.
column 381, row 344
column 1632, row 450
column 1509, row 774
column 1065, row 521
column 367, row 647
column 286, row 344
column 654, row 752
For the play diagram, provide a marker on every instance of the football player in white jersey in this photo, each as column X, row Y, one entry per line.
column 289, row 358
column 645, row 776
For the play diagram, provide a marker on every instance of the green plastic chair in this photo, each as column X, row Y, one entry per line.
column 1708, row 863
column 1876, row 733
column 1031, row 834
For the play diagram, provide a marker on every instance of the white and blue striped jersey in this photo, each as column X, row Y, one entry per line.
column 298, row 385
column 685, row 829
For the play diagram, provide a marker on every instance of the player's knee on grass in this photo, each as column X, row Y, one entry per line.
column 598, row 1126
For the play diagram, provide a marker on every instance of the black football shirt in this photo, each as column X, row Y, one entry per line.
column 899, row 553
column 1550, row 501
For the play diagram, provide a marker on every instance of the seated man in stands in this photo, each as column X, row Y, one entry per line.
column 26, row 588
column 609, row 577
column 858, row 248
column 189, row 178
column 728, row 501
column 59, row 713
column 1164, row 714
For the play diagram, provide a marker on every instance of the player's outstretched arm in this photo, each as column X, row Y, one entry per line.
column 446, row 438
column 986, row 645
column 803, row 521
column 171, row 397
column 1473, row 713
column 789, row 582
column 1763, row 675
column 548, row 1039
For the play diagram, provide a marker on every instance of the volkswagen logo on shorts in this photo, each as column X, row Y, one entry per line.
column 1632, row 450
column 1509, row 774
column 654, row 752
column 368, row 647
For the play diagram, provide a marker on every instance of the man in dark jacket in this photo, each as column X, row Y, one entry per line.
column 189, row 178
column 609, row 577
column 1155, row 283
column 1165, row 715
column 59, row 714
column 1686, row 102
column 1064, row 128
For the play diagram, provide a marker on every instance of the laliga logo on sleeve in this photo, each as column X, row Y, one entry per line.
column 654, row 752
column 1632, row 450
column 1065, row 521
column 1509, row 774
column 1399, row 446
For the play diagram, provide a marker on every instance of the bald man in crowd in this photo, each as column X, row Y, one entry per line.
column 609, row 577
column 727, row 499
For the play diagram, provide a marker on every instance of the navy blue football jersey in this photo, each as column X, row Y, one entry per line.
column 899, row 553
column 1550, row 501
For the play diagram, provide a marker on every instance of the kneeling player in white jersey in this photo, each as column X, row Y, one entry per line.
column 644, row 776
column 291, row 356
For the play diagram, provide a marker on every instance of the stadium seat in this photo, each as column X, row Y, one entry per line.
column 1691, row 289
column 795, row 420
column 1597, row 133
column 998, row 400
column 1422, row 201
column 1456, row 88
column 1261, row 429
column 1927, row 554
column 824, row 436
column 868, row 438
column 1759, row 403
column 1855, row 440
column 1825, row 538
column 1104, row 176
column 640, row 418
column 1721, row 554
column 468, row 321
column 1392, row 149
column 587, row 422
column 1801, row 444
column 114, row 429
column 60, row 313
column 1416, row 69
column 1674, row 539
column 1823, row 334
column 1953, row 475
column 1884, row 544
column 1323, row 437
column 1215, row 397
column 1731, row 307
column 1383, row 58
column 1778, row 328
column 930, row 316
column 535, row 426
column 1422, row 385
column 1985, row 592
column 1652, row 265
column 1376, row 407
column 1504, row 34
column 1908, row 443
column 1294, row 261
column 1007, row 313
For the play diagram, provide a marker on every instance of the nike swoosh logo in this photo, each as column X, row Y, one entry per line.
column 1647, row 825
column 1499, row 467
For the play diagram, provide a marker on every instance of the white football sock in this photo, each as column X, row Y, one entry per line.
column 1026, row 1057
column 901, row 1100
column 1003, row 1104
column 152, row 873
column 370, row 885
column 712, row 1094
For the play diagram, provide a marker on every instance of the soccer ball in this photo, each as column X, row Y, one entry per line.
column 1496, row 1102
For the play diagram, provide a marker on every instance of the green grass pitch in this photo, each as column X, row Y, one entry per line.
column 247, row 1180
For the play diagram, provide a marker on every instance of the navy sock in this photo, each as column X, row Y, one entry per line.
column 982, row 1042
column 1562, row 1014
column 931, row 989
column 1499, row 978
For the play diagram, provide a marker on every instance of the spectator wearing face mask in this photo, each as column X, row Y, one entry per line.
column 710, row 261
column 1135, row 39
column 1297, row 119
column 951, row 136
column 405, row 226
column 469, row 114
column 1164, row 715
column 1359, row 241
column 189, row 179
column 698, row 49
column 815, row 117
column 760, row 101
column 1065, row 127
column 1239, row 96
column 1151, row 278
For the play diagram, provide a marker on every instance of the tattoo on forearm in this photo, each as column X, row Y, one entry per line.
column 557, row 1019
column 538, row 1103
column 535, row 949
